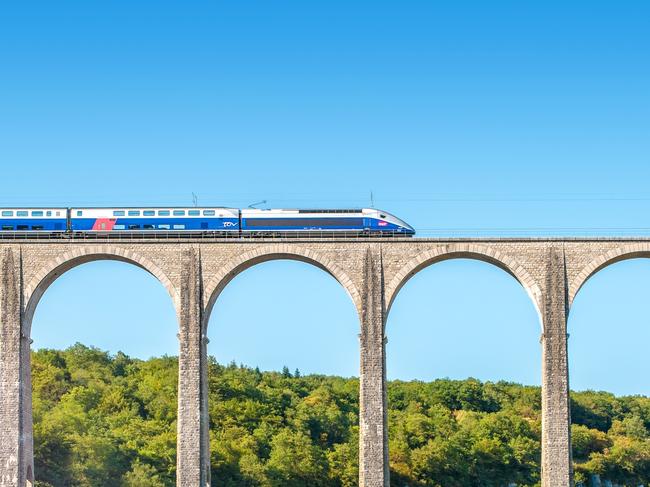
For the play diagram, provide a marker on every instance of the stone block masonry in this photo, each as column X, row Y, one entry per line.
column 372, row 271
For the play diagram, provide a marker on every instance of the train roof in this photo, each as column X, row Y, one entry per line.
column 148, row 207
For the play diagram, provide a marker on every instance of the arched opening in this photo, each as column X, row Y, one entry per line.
column 283, row 396
column 609, row 329
column 103, row 373
column 464, row 365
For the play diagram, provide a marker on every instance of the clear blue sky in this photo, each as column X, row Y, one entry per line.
column 457, row 115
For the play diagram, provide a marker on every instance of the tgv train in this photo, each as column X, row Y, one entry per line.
column 212, row 221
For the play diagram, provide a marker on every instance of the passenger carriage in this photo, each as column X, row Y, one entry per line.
column 33, row 219
column 154, row 219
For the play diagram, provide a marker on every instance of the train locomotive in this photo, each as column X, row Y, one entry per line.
column 213, row 221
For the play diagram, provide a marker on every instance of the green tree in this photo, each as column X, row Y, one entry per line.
column 110, row 420
column 295, row 461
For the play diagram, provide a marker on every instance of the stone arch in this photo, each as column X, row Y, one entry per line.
column 55, row 268
column 463, row 251
column 236, row 266
column 632, row 251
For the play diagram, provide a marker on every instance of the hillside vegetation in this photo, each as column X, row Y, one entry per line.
column 110, row 420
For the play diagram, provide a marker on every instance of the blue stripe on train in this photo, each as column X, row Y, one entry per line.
column 24, row 224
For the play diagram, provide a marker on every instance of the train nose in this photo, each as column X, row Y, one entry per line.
column 406, row 228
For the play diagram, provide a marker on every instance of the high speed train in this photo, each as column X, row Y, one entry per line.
column 209, row 220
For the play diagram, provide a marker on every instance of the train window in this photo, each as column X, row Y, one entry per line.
column 148, row 227
column 179, row 227
column 164, row 226
column 37, row 213
column 22, row 213
column 312, row 210
column 179, row 212
column 208, row 212
column 37, row 227
column 134, row 212
column 7, row 227
column 7, row 213
column 22, row 227
column 194, row 212
column 118, row 212
column 48, row 213
column 149, row 213
column 382, row 216
column 58, row 213
column 163, row 213
column 134, row 227
column 119, row 227
column 80, row 213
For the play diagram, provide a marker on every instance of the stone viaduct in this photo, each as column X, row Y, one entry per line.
column 372, row 271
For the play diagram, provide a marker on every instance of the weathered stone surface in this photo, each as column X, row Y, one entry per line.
column 16, row 462
column 193, row 467
column 373, row 440
column 556, row 413
column 372, row 272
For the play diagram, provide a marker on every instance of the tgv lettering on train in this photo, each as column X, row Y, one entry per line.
column 209, row 220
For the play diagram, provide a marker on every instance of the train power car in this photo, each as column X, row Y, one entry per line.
column 364, row 221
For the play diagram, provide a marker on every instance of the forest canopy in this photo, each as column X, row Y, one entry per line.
column 110, row 420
